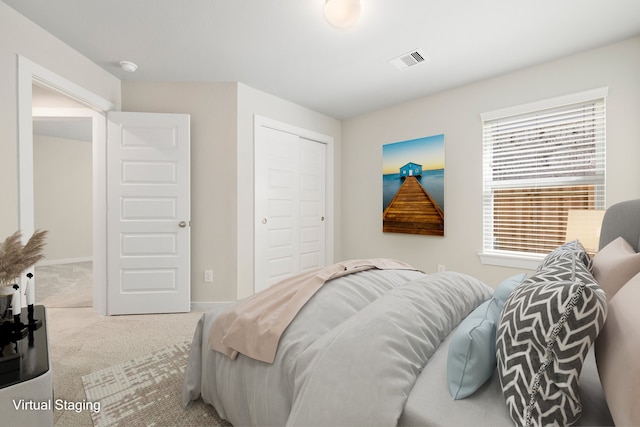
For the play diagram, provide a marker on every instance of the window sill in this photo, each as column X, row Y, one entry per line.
column 529, row 262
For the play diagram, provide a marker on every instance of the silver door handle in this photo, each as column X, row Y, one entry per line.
column 264, row 220
column 182, row 224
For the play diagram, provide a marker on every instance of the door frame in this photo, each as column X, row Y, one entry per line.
column 28, row 73
column 260, row 121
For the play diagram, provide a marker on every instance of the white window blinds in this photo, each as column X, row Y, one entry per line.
column 537, row 165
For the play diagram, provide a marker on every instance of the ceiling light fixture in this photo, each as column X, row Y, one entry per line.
column 342, row 14
column 128, row 66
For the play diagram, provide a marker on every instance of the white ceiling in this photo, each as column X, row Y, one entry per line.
column 285, row 48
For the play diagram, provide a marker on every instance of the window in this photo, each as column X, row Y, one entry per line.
column 541, row 160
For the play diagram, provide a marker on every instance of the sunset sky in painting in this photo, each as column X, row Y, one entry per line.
column 427, row 151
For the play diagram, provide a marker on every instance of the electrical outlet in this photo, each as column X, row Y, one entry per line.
column 440, row 268
column 208, row 276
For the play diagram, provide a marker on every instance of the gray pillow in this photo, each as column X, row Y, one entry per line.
column 570, row 250
column 546, row 328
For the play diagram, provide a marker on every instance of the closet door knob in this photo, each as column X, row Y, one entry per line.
column 182, row 224
column 264, row 220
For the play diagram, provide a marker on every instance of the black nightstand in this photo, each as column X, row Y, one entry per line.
column 26, row 394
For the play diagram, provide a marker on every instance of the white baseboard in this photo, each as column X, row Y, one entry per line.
column 63, row 261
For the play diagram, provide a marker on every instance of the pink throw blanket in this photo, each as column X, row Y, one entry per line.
column 253, row 326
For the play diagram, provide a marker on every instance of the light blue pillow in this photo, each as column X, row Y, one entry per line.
column 504, row 289
column 472, row 350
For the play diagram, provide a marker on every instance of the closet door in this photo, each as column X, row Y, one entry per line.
column 290, row 227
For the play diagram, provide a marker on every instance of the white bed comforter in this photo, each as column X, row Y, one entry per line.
column 350, row 357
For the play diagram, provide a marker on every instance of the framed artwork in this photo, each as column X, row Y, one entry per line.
column 413, row 186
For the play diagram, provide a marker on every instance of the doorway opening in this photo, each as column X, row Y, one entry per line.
column 30, row 75
column 62, row 183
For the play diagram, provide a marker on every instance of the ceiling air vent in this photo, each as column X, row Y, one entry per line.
column 410, row 59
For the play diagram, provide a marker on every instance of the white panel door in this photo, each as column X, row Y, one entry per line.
column 289, row 205
column 312, row 180
column 148, row 213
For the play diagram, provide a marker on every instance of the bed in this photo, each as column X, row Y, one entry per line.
column 376, row 342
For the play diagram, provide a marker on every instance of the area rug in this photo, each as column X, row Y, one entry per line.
column 146, row 391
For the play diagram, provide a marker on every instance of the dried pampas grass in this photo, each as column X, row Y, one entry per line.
column 15, row 258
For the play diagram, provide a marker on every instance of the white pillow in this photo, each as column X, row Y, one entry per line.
column 614, row 265
column 617, row 350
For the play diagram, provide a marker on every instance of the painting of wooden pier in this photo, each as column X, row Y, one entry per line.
column 413, row 211
column 413, row 186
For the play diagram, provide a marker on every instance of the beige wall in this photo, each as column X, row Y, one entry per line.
column 212, row 107
column 456, row 113
column 19, row 36
column 222, row 117
column 63, row 202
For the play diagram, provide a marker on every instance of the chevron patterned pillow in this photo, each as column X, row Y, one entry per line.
column 570, row 250
column 546, row 329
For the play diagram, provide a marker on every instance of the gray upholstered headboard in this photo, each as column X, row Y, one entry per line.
column 621, row 219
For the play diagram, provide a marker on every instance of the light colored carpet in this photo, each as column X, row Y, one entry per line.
column 146, row 391
column 65, row 285
column 82, row 342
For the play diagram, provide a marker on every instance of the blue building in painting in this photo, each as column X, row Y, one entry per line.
column 410, row 169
